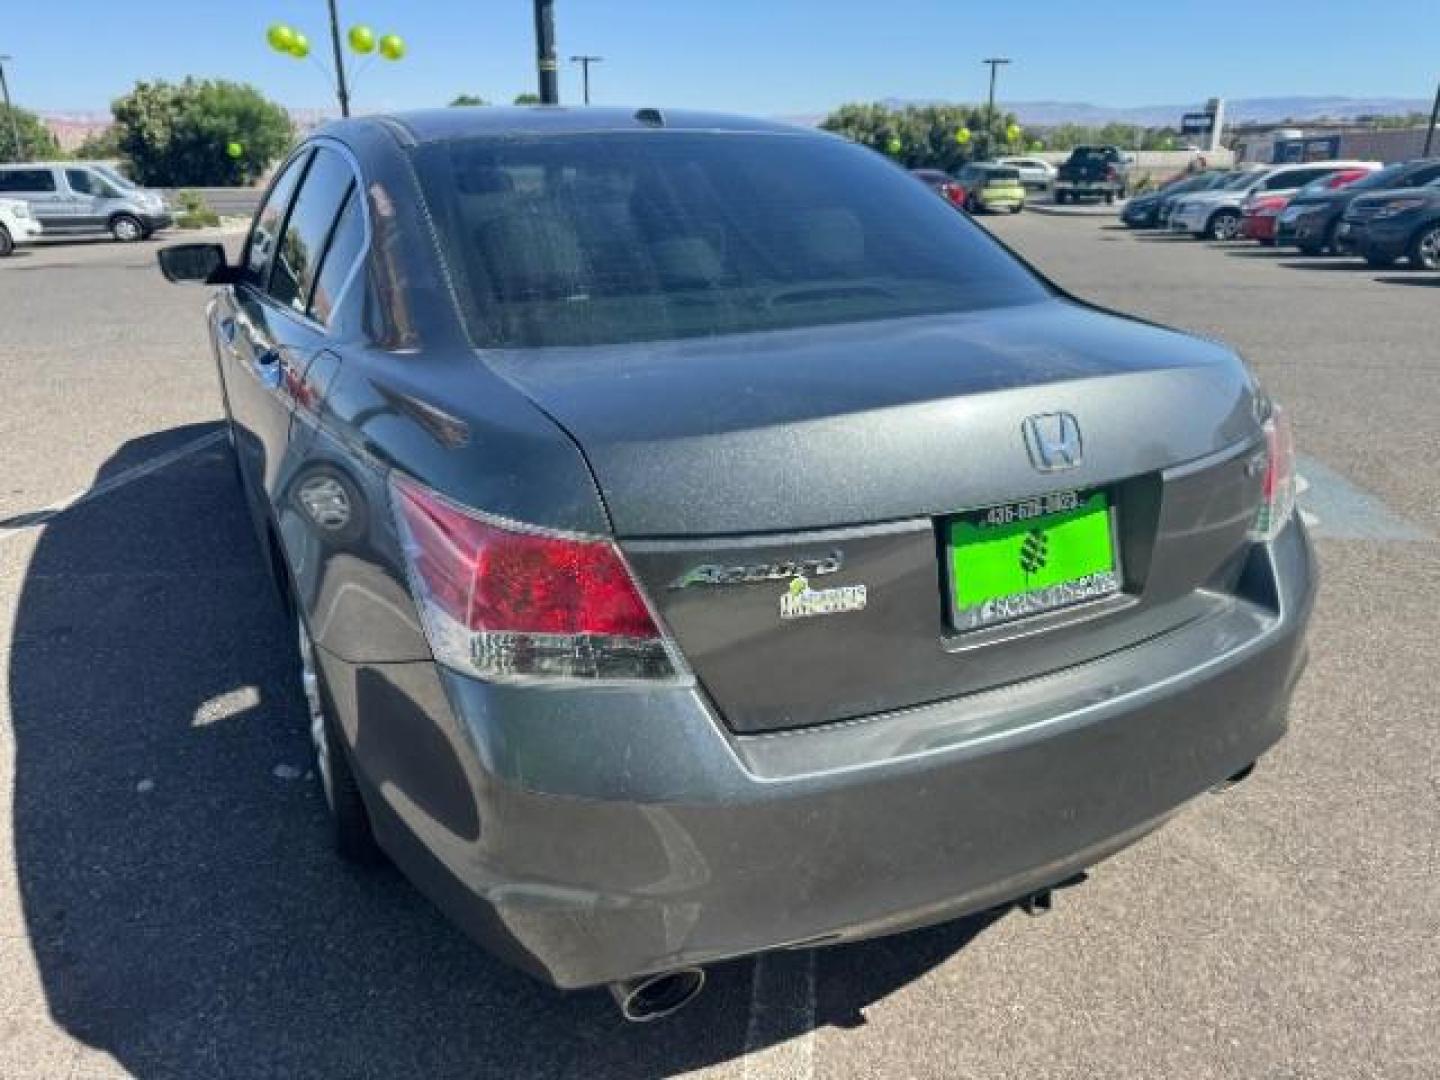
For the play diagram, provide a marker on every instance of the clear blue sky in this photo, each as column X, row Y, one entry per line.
column 763, row 56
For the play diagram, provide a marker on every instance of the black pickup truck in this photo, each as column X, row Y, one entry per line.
column 1093, row 171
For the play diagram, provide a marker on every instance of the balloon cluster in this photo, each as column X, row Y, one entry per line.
column 362, row 39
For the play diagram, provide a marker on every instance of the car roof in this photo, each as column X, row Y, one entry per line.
column 474, row 121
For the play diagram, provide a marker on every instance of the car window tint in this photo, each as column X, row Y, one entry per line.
column 324, row 188
column 594, row 238
column 1425, row 175
column 82, row 182
column 27, row 180
column 261, row 244
column 346, row 240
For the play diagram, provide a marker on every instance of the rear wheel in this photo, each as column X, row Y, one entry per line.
column 7, row 242
column 1223, row 226
column 1379, row 262
column 1109, row 198
column 1332, row 238
column 1017, row 208
column 126, row 228
column 1425, row 248
column 1060, row 197
column 350, row 822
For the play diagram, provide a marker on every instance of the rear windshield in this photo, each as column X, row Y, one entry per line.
column 1002, row 175
column 1379, row 179
column 613, row 237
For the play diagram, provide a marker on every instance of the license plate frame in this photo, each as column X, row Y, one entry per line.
column 1002, row 566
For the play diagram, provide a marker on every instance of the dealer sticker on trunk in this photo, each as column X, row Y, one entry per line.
column 800, row 601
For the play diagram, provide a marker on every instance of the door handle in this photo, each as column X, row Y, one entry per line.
column 268, row 366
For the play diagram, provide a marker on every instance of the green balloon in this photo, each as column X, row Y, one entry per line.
column 300, row 47
column 1012, row 133
column 894, row 146
column 234, row 149
column 392, row 46
column 362, row 39
column 962, row 136
column 280, row 37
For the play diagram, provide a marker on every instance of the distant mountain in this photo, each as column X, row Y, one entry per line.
column 1241, row 110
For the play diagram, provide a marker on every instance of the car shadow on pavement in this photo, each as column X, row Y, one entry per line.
column 1431, row 279
column 184, row 909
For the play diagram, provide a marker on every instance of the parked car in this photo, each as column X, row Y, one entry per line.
column 1386, row 226
column 1261, row 212
column 1036, row 174
column 69, row 198
column 1313, row 217
column 1101, row 172
column 698, row 540
column 16, row 225
column 987, row 186
column 1217, row 214
column 1144, row 211
column 1225, row 180
column 942, row 183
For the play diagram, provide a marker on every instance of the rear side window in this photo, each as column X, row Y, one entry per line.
column 326, row 184
column 612, row 237
column 270, row 220
column 1424, row 176
column 27, row 180
column 346, row 240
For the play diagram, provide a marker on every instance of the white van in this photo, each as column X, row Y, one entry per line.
column 71, row 198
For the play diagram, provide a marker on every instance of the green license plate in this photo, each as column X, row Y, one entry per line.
column 1029, row 557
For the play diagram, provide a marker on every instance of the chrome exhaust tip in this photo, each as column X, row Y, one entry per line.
column 653, row 997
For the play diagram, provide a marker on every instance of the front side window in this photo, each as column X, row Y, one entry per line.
column 85, row 182
column 27, row 180
column 326, row 184
column 612, row 237
column 261, row 244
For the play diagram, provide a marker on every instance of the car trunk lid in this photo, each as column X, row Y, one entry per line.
column 732, row 467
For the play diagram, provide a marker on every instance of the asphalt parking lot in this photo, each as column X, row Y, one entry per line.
column 169, row 906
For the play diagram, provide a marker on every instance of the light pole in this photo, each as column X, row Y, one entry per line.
column 1429, row 135
column 585, row 61
column 994, row 62
column 545, row 52
column 342, row 88
column 14, row 123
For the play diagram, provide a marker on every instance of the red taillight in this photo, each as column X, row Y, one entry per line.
column 1277, row 490
column 954, row 192
column 513, row 604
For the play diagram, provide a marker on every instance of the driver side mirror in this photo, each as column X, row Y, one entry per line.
column 203, row 263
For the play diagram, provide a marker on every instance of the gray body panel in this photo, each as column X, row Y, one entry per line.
column 599, row 833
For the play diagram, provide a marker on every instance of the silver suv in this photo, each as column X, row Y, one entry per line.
column 73, row 198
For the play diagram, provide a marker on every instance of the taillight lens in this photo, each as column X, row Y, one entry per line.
column 511, row 604
column 1277, row 493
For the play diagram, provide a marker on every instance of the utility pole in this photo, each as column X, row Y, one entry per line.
column 545, row 51
column 585, row 61
column 1429, row 135
column 342, row 91
column 14, row 123
column 994, row 62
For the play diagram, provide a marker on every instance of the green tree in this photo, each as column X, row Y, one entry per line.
column 101, row 146
column 36, row 142
column 527, row 99
column 921, row 136
column 176, row 134
column 468, row 99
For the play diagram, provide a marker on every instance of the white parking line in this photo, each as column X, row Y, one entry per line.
column 111, row 484
column 780, row 1034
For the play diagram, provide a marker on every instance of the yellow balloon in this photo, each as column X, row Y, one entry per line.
column 280, row 37
column 392, row 47
column 234, row 149
column 300, row 48
column 362, row 39
column 1012, row 133
column 962, row 136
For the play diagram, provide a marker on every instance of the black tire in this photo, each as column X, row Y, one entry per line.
column 1310, row 250
column 7, row 242
column 1109, row 198
column 350, row 828
column 1379, row 262
column 971, row 206
column 1332, row 239
column 1017, row 208
column 1223, row 225
column 1425, row 248
column 127, row 228
column 1061, row 197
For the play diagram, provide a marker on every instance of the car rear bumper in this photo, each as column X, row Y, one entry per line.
column 1255, row 227
column 594, row 835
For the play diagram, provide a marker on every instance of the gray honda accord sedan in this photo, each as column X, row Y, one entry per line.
column 700, row 540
